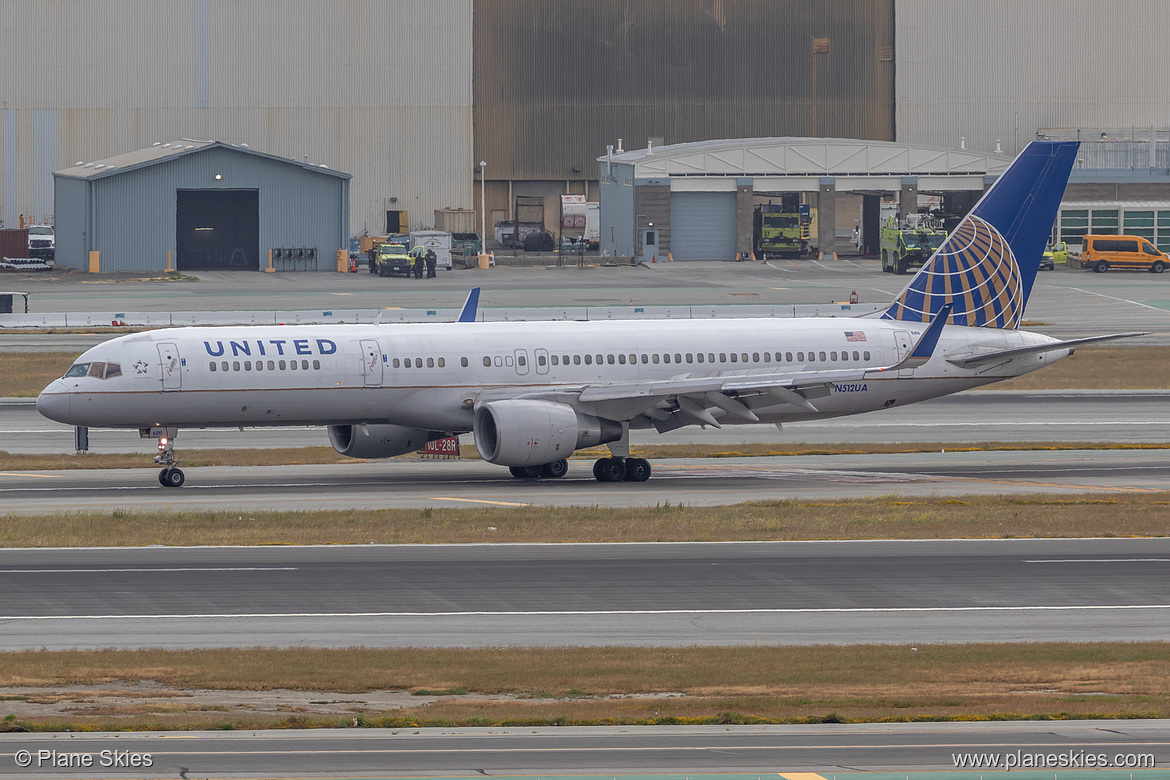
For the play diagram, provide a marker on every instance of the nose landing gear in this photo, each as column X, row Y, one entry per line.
column 171, row 475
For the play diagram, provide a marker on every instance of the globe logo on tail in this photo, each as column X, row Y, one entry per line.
column 974, row 269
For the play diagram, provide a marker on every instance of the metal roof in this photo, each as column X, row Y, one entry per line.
column 806, row 157
column 160, row 152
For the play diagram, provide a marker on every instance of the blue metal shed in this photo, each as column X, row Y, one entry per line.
column 209, row 204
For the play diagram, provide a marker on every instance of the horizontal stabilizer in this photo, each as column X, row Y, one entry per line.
column 992, row 357
column 924, row 347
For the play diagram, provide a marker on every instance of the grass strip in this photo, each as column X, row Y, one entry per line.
column 605, row 685
column 890, row 517
column 291, row 456
column 1092, row 368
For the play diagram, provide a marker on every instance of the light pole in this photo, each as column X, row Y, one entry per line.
column 482, row 212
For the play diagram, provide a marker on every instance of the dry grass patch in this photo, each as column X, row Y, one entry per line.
column 633, row 685
column 1100, row 368
column 25, row 374
column 891, row 517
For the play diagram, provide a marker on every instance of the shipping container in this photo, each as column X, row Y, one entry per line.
column 14, row 242
column 455, row 220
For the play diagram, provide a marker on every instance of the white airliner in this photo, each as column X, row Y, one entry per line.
column 533, row 392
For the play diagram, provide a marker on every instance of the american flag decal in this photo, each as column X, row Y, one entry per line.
column 854, row 335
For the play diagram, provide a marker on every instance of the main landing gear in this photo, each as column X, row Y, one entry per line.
column 622, row 470
column 605, row 470
column 171, row 475
column 554, row 470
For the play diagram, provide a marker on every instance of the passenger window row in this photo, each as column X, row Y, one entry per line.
column 647, row 358
column 273, row 365
column 700, row 357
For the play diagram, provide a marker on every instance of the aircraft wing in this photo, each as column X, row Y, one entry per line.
column 981, row 358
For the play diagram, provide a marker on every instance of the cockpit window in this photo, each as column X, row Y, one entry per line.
column 95, row 370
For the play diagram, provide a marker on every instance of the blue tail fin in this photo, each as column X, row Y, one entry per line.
column 987, row 265
column 470, row 306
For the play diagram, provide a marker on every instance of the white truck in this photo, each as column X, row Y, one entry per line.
column 41, row 241
column 438, row 240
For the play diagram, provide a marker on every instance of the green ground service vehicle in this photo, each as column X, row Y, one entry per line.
column 777, row 232
column 909, row 243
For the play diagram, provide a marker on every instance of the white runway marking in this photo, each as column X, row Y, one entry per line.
column 1102, row 560
column 189, row 568
column 1115, row 298
column 592, row 613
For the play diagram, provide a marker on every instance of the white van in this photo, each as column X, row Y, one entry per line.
column 438, row 240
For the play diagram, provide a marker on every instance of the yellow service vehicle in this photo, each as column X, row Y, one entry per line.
column 392, row 258
column 1102, row 252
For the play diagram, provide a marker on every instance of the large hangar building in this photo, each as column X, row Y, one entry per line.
column 696, row 201
column 198, row 206
column 411, row 96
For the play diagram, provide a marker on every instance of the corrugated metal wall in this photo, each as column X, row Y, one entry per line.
column 134, row 213
column 377, row 89
column 703, row 225
column 988, row 69
column 556, row 81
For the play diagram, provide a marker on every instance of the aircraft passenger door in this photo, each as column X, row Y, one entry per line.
column 371, row 363
column 521, row 362
column 541, row 361
column 902, row 339
column 172, row 366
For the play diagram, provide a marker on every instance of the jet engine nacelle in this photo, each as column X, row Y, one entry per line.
column 378, row 441
column 532, row 433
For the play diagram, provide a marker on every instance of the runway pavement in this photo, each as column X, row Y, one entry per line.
column 829, row 750
column 587, row 595
column 692, row 481
column 974, row 416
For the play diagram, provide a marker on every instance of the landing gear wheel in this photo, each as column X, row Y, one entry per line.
column 610, row 470
column 531, row 472
column 556, row 469
column 171, row 478
column 516, row 472
column 637, row 470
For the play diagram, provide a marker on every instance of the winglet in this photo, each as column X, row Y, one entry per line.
column 924, row 348
column 470, row 306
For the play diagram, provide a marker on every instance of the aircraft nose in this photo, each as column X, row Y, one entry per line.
column 54, row 403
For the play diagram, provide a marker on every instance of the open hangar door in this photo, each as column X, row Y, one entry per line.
column 702, row 225
column 218, row 230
